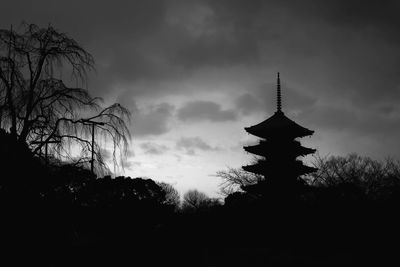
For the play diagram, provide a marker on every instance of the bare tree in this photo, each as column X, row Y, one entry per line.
column 373, row 177
column 39, row 108
column 194, row 199
column 234, row 179
column 171, row 194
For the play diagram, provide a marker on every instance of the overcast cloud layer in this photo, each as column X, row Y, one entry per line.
column 194, row 73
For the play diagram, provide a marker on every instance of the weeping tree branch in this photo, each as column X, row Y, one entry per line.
column 39, row 108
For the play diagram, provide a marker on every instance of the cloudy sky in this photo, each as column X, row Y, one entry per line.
column 195, row 73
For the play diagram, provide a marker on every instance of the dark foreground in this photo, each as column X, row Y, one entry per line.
column 60, row 215
column 263, row 234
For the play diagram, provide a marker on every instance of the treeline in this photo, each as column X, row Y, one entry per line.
column 346, row 213
column 60, row 214
column 343, row 214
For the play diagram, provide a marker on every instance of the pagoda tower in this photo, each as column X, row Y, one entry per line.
column 278, row 151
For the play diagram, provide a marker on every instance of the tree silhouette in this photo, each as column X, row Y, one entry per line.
column 234, row 179
column 194, row 201
column 39, row 108
column 375, row 179
column 108, row 192
column 171, row 195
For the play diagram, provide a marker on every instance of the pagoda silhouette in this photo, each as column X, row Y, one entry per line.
column 277, row 153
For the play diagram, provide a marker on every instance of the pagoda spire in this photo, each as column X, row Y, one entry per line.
column 278, row 97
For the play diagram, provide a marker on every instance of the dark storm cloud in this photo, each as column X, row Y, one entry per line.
column 114, row 32
column 248, row 104
column 344, row 53
column 153, row 148
column 354, row 13
column 351, row 45
column 263, row 99
column 341, row 13
column 191, row 144
column 140, row 40
column 90, row 20
column 217, row 51
column 341, row 53
column 330, row 118
column 133, row 36
column 154, row 40
column 205, row 110
column 152, row 121
column 293, row 100
column 380, row 129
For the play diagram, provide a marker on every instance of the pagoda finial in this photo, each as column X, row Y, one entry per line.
column 278, row 98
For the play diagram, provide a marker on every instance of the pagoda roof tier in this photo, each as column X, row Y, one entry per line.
column 265, row 168
column 293, row 148
column 278, row 125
